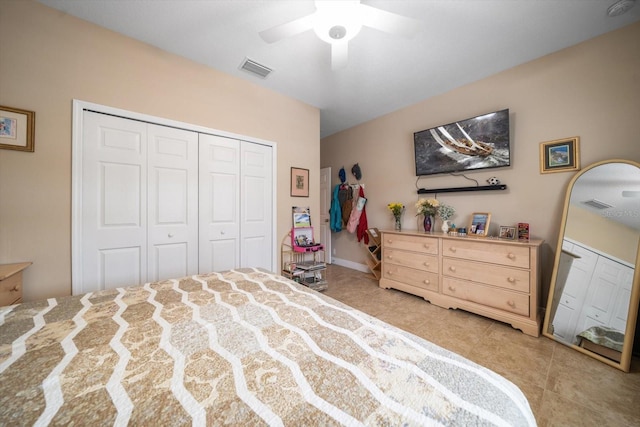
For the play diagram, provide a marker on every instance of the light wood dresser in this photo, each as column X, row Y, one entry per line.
column 11, row 283
column 499, row 279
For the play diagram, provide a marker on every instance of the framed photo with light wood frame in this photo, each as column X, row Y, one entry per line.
column 560, row 155
column 479, row 224
column 17, row 129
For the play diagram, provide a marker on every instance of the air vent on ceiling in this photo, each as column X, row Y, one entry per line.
column 598, row 204
column 254, row 68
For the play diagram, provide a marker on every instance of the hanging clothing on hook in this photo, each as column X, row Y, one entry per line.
column 363, row 224
column 356, row 213
column 346, row 202
column 335, row 212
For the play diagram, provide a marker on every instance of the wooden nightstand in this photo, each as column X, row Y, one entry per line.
column 11, row 283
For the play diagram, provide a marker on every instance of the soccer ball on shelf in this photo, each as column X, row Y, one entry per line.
column 493, row 181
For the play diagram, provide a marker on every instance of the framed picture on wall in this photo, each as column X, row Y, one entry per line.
column 299, row 182
column 560, row 155
column 17, row 129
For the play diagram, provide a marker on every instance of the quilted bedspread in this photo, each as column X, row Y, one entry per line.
column 243, row 347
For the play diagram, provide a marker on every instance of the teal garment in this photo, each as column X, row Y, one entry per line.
column 336, row 211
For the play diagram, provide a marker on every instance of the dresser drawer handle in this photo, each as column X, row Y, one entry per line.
column 511, row 256
column 452, row 268
column 425, row 246
column 427, row 281
column 389, row 256
column 452, row 249
column 452, row 289
column 511, row 280
column 426, row 264
column 16, row 288
column 511, row 303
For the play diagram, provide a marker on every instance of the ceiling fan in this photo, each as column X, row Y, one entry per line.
column 338, row 21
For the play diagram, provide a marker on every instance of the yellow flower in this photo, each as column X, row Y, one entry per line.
column 396, row 208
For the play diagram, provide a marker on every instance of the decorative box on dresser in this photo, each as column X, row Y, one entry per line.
column 11, row 283
column 495, row 278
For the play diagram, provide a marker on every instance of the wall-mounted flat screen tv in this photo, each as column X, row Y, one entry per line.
column 480, row 142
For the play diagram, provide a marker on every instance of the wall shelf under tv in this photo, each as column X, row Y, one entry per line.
column 461, row 189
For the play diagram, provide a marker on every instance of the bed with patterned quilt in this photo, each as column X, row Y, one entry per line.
column 242, row 347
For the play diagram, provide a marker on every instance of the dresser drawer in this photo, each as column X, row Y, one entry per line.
column 489, row 296
column 505, row 254
column 425, row 245
column 410, row 276
column 504, row 277
column 411, row 259
column 11, row 290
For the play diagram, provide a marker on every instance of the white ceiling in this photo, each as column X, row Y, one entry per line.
column 606, row 183
column 459, row 41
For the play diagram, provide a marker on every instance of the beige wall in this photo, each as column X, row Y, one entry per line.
column 589, row 90
column 603, row 234
column 49, row 58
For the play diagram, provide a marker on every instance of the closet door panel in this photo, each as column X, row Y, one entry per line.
column 219, row 199
column 114, row 191
column 223, row 255
column 257, row 205
column 609, row 291
column 173, row 202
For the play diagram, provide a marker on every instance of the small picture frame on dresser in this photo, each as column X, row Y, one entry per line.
column 507, row 232
column 479, row 225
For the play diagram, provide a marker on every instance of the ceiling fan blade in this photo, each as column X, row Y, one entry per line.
column 388, row 22
column 339, row 55
column 287, row 29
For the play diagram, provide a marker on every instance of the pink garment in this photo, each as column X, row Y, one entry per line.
column 356, row 212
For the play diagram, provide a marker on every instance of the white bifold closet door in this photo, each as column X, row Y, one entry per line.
column 139, row 202
column 236, row 204
column 159, row 202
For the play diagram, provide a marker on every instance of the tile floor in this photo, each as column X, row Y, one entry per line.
column 564, row 387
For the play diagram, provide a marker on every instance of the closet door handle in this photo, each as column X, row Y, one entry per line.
column 170, row 235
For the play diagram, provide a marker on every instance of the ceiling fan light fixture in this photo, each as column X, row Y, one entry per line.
column 337, row 32
column 337, row 21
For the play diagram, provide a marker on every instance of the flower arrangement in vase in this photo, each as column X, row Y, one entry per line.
column 397, row 209
column 428, row 208
column 445, row 212
column 432, row 207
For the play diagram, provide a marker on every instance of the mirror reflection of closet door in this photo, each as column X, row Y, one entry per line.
column 595, row 289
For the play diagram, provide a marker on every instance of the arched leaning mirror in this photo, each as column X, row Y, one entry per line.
column 595, row 285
